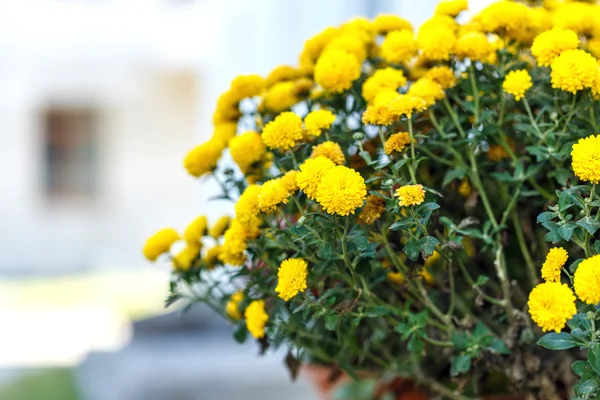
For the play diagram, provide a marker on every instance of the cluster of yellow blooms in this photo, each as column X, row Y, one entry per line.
column 392, row 73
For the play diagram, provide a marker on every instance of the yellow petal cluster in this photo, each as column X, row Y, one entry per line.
column 196, row 230
column 160, row 243
column 284, row 132
column 587, row 280
column 550, row 44
column 317, row 121
column 383, row 80
column 586, row 159
column 219, row 227
column 330, row 150
column 256, row 318
column 341, row 191
column 410, row 195
column 551, row 305
column 396, row 142
column 232, row 308
column 517, row 83
column 310, row 174
column 399, row 46
column 336, row 70
column 291, row 278
column 573, row 70
column 555, row 260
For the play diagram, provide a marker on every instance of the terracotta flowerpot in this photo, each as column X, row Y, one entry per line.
column 325, row 380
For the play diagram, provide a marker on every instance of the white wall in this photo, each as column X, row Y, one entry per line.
column 154, row 68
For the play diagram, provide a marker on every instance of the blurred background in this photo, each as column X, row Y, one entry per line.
column 101, row 100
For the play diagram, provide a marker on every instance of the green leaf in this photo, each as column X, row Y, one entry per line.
column 545, row 216
column 566, row 231
column 589, row 224
column 557, row 341
column 359, row 240
column 581, row 367
column 594, row 357
column 597, row 246
column 481, row 280
column 331, row 321
column 453, row 174
column 240, row 334
column 499, row 347
column 588, row 387
column 403, row 224
column 411, row 248
column 460, row 365
column 325, row 251
column 427, row 245
column 378, row 311
column 460, row 340
column 425, row 207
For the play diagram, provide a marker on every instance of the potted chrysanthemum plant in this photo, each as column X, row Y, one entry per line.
column 415, row 210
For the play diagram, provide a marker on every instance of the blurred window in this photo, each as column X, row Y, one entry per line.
column 70, row 146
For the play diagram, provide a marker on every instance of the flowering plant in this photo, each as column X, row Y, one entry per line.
column 414, row 205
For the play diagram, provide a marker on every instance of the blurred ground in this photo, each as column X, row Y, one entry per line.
column 84, row 324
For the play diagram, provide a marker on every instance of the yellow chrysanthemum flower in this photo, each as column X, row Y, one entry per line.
column 465, row 189
column 575, row 16
column 587, row 280
column 211, row 257
column 399, row 46
column 474, row 46
column 349, row 43
column 389, row 106
column 573, row 70
column 291, row 278
column 196, row 230
column 341, row 191
column 555, row 260
column 272, row 193
column 227, row 108
column 436, row 42
column 384, row 23
column 160, row 243
column 336, row 70
column 551, row 305
column 247, row 86
column 310, row 174
column 281, row 73
column 373, row 209
column 410, row 195
column 232, row 308
column 330, row 150
column 219, row 227
column 234, row 244
column 550, row 44
column 586, row 159
column 280, row 97
column 284, row 132
column 386, row 79
column 496, row 153
column 428, row 90
column 442, row 75
column 183, row 260
column 517, row 83
column 505, row 17
column 318, row 120
column 451, row 7
column 247, row 149
column 256, row 318
column 289, row 181
column 396, row 142
column 593, row 46
column 314, row 46
column 203, row 158
column 223, row 133
column 246, row 208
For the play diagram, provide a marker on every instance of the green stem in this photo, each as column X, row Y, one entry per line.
column 411, row 169
column 475, row 92
column 471, row 282
column 454, row 118
column 524, row 249
column 533, row 121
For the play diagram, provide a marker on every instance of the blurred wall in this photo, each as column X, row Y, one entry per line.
column 150, row 70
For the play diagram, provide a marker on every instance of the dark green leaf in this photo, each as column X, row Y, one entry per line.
column 581, row 367
column 594, row 357
column 411, row 248
column 460, row 340
column 481, row 280
column 325, row 251
column 557, row 341
column 460, row 365
column 240, row 334
column 453, row 174
column 331, row 321
column 566, row 231
column 589, row 224
column 499, row 347
column 545, row 216
column 427, row 246
column 587, row 387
